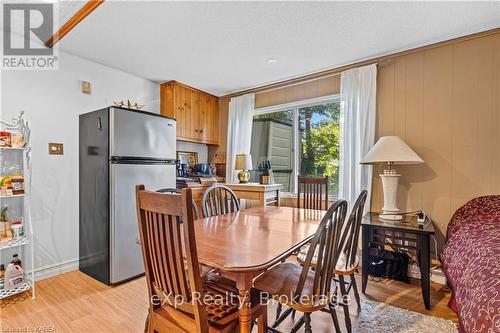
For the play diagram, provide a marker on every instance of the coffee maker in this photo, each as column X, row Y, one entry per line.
column 182, row 169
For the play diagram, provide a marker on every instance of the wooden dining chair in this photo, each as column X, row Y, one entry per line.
column 181, row 301
column 301, row 288
column 219, row 199
column 175, row 190
column 312, row 193
column 348, row 262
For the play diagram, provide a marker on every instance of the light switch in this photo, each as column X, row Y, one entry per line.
column 85, row 87
column 56, row 149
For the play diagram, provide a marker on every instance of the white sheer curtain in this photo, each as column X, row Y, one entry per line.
column 358, row 93
column 239, row 131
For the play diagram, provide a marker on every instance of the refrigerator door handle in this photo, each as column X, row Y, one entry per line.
column 140, row 160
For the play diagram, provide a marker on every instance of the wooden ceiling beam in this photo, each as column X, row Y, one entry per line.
column 88, row 8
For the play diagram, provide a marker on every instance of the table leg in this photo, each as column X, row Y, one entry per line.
column 365, row 263
column 244, row 284
column 262, row 199
column 424, row 262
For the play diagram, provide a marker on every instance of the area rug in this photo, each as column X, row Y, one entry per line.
column 378, row 317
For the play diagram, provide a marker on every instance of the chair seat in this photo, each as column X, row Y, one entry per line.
column 204, row 270
column 340, row 268
column 221, row 303
column 280, row 282
column 221, row 299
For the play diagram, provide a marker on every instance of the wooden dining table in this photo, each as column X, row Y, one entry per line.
column 244, row 244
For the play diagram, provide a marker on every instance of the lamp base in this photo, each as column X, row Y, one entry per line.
column 390, row 210
column 243, row 176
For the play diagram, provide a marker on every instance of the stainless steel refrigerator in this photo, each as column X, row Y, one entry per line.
column 119, row 148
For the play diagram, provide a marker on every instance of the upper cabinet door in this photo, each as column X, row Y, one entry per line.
column 205, row 126
column 167, row 103
column 189, row 116
column 196, row 112
column 214, row 120
column 196, row 118
column 180, row 110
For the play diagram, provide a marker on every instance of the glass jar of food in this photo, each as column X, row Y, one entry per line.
column 5, row 139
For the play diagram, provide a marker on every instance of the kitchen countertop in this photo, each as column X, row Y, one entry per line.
column 236, row 186
column 199, row 185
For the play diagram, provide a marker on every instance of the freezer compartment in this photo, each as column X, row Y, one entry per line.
column 141, row 134
column 126, row 256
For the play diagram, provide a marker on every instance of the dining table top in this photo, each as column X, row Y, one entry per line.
column 254, row 239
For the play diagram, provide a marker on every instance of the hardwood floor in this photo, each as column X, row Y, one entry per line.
column 74, row 302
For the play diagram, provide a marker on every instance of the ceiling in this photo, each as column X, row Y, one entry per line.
column 222, row 47
column 66, row 9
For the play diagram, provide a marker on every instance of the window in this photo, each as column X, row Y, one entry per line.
column 298, row 139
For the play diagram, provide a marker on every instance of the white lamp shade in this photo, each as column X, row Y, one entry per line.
column 391, row 149
column 243, row 162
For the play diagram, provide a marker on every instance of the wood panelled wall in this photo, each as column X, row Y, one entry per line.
column 444, row 102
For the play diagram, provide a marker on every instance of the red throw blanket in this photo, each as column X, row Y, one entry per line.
column 471, row 262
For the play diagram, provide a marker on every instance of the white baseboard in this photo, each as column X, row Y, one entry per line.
column 56, row 269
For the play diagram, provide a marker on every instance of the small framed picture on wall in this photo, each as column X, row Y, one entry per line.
column 188, row 157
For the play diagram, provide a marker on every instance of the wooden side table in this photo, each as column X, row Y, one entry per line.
column 403, row 236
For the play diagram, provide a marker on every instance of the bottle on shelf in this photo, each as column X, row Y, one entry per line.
column 17, row 229
column 16, row 261
column 13, row 277
column 2, row 275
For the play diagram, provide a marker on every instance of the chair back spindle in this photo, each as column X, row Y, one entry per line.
column 219, row 199
column 350, row 235
column 312, row 193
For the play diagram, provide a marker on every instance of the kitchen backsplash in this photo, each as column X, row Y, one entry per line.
column 201, row 149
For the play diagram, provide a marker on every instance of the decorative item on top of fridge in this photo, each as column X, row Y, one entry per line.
column 129, row 104
column 266, row 173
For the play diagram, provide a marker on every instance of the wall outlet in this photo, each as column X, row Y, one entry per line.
column 56, row 148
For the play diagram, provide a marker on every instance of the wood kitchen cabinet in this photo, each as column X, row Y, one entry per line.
column 196, row 112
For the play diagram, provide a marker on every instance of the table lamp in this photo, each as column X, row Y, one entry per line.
column 243, row 163
column 391, row 150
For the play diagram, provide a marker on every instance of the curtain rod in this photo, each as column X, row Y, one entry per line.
column 309, row 78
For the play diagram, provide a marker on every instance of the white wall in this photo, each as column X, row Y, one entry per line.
column 52, row 101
